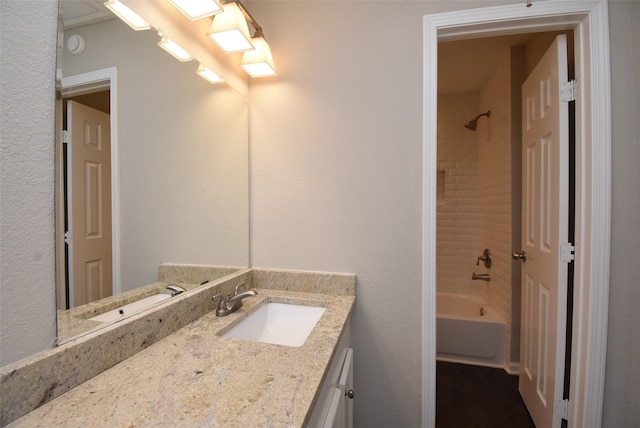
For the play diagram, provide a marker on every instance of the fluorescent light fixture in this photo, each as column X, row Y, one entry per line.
column 259, row 62
column 127, row 15
column 229, row 30
column 174, row 49
column 208, row 75
column 197, row 9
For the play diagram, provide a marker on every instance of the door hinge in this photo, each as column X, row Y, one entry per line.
column 568, row 91
column 66, row 137
column 67, row 237
column 567, row 252
column 562, row 409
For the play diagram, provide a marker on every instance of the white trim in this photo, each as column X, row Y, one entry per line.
column 593, row 221
column 593, row 168
column 512, row 368
column 429, row 210
column 93, row 81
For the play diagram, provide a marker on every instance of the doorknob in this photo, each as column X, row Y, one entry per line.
column 520, row 256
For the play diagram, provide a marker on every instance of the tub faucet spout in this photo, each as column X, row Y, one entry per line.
column 480, row 276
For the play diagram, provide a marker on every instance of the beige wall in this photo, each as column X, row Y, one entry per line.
column 622, row 383
column 336, row 146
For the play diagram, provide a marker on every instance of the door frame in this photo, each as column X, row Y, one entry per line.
column 589, row 20
column 93, row 81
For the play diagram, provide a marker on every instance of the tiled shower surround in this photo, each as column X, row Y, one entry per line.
column 475, row 211
column 457, row 221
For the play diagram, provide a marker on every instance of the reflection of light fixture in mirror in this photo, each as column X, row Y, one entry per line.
column 127, row 15
column 229, row 30
column 259, row 62
column 208, row 75
column 174, row 49
column 197, row 9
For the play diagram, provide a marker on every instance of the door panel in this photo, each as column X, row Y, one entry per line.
column 89, row 203
column 544, row 228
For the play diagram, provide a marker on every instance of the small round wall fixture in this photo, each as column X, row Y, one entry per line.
column 76, row 44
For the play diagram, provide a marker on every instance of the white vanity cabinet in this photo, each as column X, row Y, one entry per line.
column 340, row 414
column 334, row 406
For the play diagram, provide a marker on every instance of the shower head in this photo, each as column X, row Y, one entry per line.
column 472, row 124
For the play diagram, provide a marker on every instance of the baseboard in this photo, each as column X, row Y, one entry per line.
column 512, row 367
column 470, row 362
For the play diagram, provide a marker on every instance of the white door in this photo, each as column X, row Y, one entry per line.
column 545, row 164
column 89, row 190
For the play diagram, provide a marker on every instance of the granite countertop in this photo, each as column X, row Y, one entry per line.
column 75, row 322
column 196, row 377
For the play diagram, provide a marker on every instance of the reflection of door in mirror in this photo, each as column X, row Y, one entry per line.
column 84, row 199
column 89, row 204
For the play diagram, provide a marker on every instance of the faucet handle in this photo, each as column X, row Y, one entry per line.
column 222, row 303
column 485, row 257
column 235, row 291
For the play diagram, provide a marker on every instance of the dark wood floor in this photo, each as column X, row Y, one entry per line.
column 478, row 397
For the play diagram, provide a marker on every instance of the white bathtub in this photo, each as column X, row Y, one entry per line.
column 469, row 331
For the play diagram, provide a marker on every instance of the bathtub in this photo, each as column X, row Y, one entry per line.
column 469, row 331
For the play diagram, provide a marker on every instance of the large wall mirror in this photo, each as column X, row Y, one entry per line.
column 170, row 184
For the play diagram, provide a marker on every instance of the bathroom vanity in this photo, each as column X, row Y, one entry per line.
column 197, row 377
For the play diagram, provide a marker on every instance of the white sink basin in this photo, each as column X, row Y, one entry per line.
column 131, row 308
column 279, row 323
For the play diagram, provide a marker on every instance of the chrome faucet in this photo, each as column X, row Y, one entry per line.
column 233, row 302
column 480, row 276
column 175, row 289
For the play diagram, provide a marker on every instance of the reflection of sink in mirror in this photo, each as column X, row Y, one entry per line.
column 131, row 308
column 278, row 323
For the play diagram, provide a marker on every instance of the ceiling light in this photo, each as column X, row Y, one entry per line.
column 197, row 9
column 127, row 15
column 229, row 30
column 259, row 62
column 208, row 75
column 174, row 49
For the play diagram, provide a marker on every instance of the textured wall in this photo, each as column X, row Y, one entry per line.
column 622, row 383
column 336, row 146
column 27, row 72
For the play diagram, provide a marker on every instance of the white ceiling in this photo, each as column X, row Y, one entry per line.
column 75, row 12
column 465, row 65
